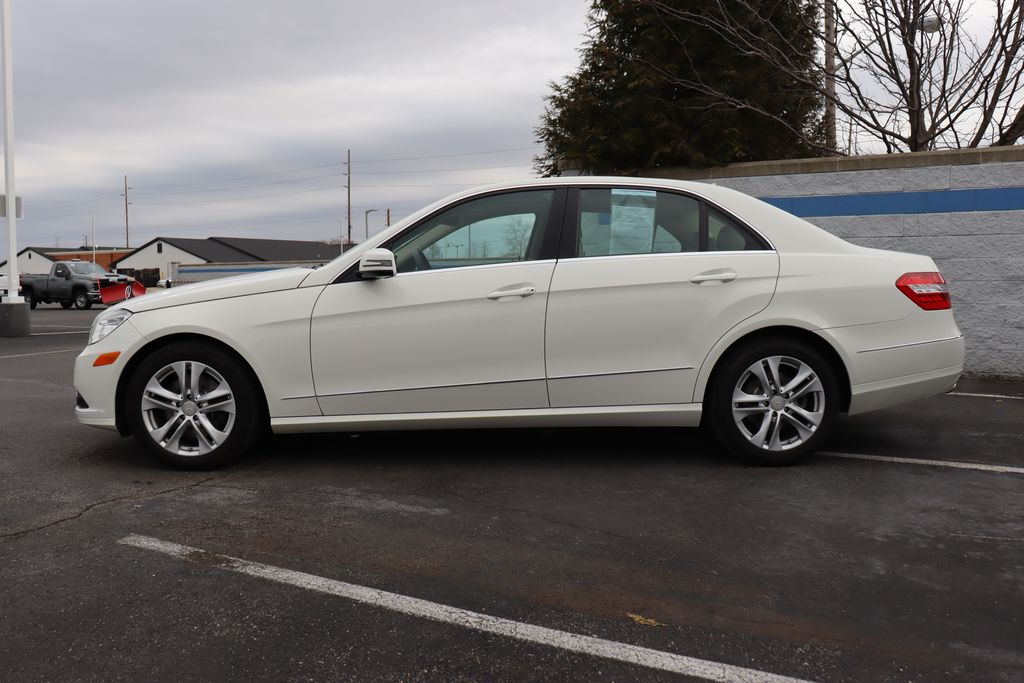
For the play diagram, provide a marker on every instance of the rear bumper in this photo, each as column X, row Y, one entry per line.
column 915, row 371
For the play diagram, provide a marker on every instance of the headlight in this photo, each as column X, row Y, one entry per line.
column 106, row 322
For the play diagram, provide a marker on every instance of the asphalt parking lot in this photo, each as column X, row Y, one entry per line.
column 512, row 555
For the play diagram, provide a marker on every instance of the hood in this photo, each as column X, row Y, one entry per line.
column 222, row 288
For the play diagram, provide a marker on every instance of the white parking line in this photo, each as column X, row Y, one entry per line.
column 1005, row 469
column 41, row 353
column 965, row 393
column 573, row 642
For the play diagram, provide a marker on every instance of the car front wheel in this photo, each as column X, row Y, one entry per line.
column 774, row 401
column 82, row 301
column 194, row 406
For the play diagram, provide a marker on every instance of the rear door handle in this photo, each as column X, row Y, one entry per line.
column 521, row 291
column 717, row 275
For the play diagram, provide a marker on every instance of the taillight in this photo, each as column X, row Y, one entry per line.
column 927, row 290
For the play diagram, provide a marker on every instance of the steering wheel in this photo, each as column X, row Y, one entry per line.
column 420, row 260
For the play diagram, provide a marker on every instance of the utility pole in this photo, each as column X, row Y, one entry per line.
column 348, row 186
column 341, row 237
column 126, row 203
column 93, row 240
column 387, row 221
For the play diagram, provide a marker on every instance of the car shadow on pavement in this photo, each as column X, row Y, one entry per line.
column 497, row 447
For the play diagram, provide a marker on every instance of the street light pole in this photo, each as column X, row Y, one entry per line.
column 366, row 221
column 12, row 203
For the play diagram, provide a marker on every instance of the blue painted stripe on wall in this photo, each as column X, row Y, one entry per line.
column 935, row 201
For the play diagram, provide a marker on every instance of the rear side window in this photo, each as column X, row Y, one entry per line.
column 622, row 221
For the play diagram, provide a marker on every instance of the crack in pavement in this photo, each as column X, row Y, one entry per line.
column 111, row 501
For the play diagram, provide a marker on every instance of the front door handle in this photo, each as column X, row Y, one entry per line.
column 520, row 291
column 717, row 275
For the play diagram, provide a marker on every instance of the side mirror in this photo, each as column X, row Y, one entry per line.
column 376, row 264
column 67, row 274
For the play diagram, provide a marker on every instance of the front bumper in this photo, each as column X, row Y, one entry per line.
column 97, row 386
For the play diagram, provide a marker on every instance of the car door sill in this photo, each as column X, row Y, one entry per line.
column 662, row 415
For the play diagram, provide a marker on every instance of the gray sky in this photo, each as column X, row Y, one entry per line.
column 256, row 101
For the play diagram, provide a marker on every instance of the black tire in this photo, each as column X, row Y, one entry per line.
column 780, row 429
column 65, row 304
column 249, row 418
column 81, row 300
column 30, row 299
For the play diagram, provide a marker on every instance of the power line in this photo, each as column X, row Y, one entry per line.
column 446, row 156
column 337, row 164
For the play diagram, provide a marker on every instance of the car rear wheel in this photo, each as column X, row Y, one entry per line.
column 194, row 406
column 774, row 401
column 30, row 299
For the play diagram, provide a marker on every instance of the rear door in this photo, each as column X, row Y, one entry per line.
column 647, row 282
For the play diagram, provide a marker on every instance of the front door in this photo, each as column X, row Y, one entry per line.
column 459, row 328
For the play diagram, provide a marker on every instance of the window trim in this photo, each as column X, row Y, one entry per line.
column 571, row 228
column 549, row 249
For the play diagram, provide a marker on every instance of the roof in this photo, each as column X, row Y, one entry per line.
column 280, row 250
column 205, row 249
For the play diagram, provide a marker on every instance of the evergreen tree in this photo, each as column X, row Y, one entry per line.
column 632, row 104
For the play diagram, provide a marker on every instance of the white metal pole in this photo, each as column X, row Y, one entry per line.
column 12, row 202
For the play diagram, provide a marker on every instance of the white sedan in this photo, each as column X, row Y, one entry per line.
column 555, row 302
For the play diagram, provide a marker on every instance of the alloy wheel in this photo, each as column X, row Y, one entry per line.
column 778, row 403
column 188, row 408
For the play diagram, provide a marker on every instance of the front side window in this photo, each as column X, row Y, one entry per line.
column 496, row 229
column 622, row 221
column 61, row 270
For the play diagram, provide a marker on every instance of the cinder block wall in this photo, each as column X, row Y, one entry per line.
column 963, row 208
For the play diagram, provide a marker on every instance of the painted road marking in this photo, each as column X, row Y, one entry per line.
column 46, row 334
column 1005, row 469
column 964, row 393
column 64, row 327
column 573, row 642
column 41, row 353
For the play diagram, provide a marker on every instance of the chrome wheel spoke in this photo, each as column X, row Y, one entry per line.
column 225, row 405
column 156, row 397
column 196, row 371
column 209, row 435
column 759, row 371
column 810, row 385
column 804, row 421
column 803, row 374
column 173, row 442
column 773, row 373
column 742, row 402
column 222, row 391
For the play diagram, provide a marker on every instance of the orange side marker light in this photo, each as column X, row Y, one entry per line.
column 105, row 358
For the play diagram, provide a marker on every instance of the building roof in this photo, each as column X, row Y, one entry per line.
column 205, row 249
column 280, row 250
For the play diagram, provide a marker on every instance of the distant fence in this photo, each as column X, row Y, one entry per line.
column 964, row 208
column 183, row 274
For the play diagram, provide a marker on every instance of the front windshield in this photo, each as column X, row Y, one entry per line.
column 86, row 268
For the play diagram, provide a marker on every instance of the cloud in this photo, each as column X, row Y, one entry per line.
column 189, row 99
